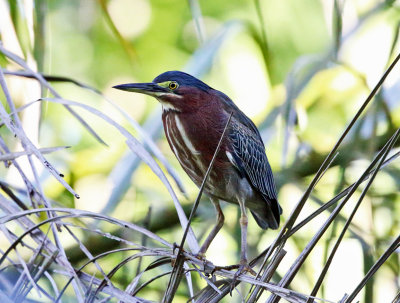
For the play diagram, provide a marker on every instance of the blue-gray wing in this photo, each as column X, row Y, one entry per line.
column 251, row 159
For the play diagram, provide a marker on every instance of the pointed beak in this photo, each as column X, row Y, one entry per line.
column 151, row 88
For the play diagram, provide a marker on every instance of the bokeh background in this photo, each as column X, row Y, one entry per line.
column 300, row 69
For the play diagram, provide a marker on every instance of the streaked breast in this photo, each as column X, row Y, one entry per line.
column 183, row 147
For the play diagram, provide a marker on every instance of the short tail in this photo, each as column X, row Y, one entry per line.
column 269, row 216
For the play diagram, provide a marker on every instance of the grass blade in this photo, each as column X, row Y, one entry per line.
column 391, row 249
column 14, row 155
column 304, row 254
column 43, row 82
column 282, row 236
column 347, row 224
column 198, row 20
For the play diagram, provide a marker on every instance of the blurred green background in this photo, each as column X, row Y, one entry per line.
column 299, row 68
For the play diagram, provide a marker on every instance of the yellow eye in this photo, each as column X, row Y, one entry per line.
column 173, row 85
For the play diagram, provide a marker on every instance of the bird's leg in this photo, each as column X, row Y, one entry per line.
column 244, row 266
column 215, row 230
column 243, row 228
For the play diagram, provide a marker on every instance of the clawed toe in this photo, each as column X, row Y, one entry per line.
column 200, row 256
column 243, row 267
column 175, row 247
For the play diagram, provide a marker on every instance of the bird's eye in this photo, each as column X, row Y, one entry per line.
column 173, row 85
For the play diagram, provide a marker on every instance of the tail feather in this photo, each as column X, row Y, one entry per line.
column 269, row 216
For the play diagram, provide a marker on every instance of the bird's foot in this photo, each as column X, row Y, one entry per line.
column 175, row 251
column 176, row 248
column 243, row 267
column 200, row 255
column 208, row 267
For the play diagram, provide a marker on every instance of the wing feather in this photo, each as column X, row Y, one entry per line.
column 250, row 153
column 251, row 161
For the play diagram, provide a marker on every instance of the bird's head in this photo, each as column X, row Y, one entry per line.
column 176, row 90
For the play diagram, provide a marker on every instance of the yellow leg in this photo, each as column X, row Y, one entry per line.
column 244, row 265
column 243, row 227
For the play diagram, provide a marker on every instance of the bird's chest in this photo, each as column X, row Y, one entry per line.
column 192, row 144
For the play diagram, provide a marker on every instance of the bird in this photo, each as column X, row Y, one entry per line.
column 194, row 116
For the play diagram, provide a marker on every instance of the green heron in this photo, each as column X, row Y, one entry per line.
column 194, row 117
